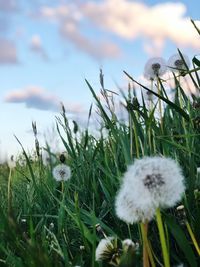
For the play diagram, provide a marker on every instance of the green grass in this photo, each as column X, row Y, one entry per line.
column 27, row 237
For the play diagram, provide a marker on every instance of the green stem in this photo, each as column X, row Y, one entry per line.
column 162, row 238
column 160, row 104
column 9, row 191
column 62, row 187
column 193, row 237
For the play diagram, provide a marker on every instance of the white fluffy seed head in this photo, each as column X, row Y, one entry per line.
column 155, row 67
column 149, row 183
column 62, row 172
column 11, row 163
column 129, row 210
column 176, row 63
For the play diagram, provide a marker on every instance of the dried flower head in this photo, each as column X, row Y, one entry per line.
column 62, row 172
column 107, row 250
column 154, row 67
column 177, row 63
column 149, row 183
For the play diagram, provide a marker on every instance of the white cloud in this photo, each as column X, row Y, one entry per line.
column 132, row 20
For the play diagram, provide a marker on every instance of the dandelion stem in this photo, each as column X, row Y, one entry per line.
column 193, row 237
column 9, row 191
column 162, row 238
column 150, row 254
column 160, row 104
column 62, row 187
column 129, row 231
column 144, row 228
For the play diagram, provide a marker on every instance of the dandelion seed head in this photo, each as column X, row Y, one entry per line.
column 149, row 183
column 129, row 210
column 177, row 63
column 154, row 67
column 11, row 162
column 61, row 172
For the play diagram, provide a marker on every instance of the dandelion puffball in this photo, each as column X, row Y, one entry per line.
column 155, row 67
column 178, row 63
column 149, row 183
column 11, row 162
column 61, row 172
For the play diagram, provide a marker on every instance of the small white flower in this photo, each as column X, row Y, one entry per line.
column 106, row 249
column 176, row 63
column 61, row 172
column 149, row 183
column 154, row 67
column 11, row 163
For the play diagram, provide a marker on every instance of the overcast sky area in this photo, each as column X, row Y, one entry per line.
column 49, row 47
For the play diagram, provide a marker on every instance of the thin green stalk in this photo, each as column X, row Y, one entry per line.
column 129, row 231
column 9, row 191
column 193, row 237
column 136, row 142
column 160, row 104
column 62, row 187
column 162, row 238
column 131, row 135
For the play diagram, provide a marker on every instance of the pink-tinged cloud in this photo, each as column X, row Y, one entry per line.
column 69, row 20
column 8, row 52
column 38, row 98
column 132, row 20
column 102, row 49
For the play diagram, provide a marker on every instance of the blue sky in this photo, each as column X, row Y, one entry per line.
column 48, row 48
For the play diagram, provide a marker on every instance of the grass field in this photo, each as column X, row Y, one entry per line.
column 50, row 223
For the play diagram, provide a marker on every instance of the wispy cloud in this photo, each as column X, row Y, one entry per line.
column 37, row 47
column 8, row 52
column 130, row 20
column 37, row 98
column 70, row 25
column 102, row 49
